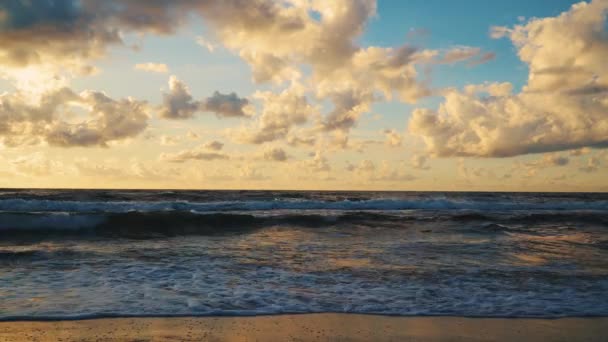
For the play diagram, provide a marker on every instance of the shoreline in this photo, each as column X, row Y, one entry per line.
column 307, row 327
column 95, row 317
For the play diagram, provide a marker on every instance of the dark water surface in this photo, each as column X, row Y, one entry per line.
column 82, row 253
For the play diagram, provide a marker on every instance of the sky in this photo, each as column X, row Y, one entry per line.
column 304, row 94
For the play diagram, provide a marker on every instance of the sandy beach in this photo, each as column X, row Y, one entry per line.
column 311, row 327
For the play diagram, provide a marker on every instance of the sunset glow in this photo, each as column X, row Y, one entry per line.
column 304, row 94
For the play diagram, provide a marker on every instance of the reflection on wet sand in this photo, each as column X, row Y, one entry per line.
column 314, row 327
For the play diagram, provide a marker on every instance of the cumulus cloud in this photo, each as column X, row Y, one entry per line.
column 153, row 67
column 225, row 105
column 393, row 139
column 55, row 119
column 178, row 103
column 73, row 31
column 214, row 145
column 261, row 32
column 349, row 76
column 296, row 139
column 274, row 154
column 419, row 162
column 318, row 163
column 281, row 112
column 562, row 107
column 200, row 153
column 166, row 140
column 548, row 160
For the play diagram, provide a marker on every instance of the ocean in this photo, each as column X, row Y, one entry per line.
column 69, row 254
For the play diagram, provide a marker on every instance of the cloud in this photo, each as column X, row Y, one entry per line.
column 365, row 165
column 38, row 165
column 555, row 160
column 337, row 68
column 485, row 58
column 53, row 119
column 492, row 89
column 548, row 160
column 580, row 152
column 123, row 171
column 459, row 54
column 318, row 163
column 166, row 140
column 562, row 107
column 593, row 164
column 32, row 32
column 249, row 173
column 393, row 139
column 214, row 145
column 280, row 113
column 388, row 173
column 202, row 41
column 153, row 67
column 274, row 154
column 178, row 103
column 474, row 56
column 72, row 31
column 225, row 105
column 419, row 162
column 112, row 120
column 192, row 135
column 296, row 139
column 200, row 153
column 367, row 170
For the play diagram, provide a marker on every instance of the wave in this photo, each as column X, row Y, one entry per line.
column 385, row 204
column 169, row 223
column 175, row 223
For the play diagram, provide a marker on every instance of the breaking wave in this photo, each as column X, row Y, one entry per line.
column 174, row 223
column 45, row 205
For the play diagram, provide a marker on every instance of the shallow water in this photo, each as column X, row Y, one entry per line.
column 105, row 253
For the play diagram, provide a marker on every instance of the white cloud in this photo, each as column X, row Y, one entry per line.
column 280, row 113
column 202, row 41
column 562, row 107
column 53, row 121
column 393, row 139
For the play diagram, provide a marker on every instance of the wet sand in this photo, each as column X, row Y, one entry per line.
column 312, row 327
